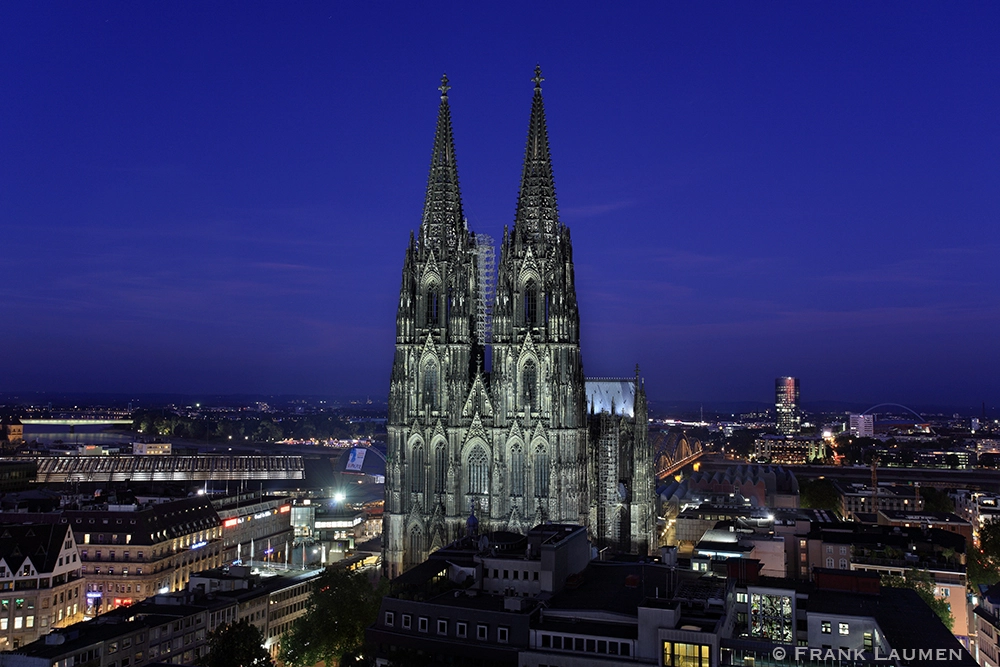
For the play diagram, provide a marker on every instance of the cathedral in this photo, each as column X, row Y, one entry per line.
column 529, row 439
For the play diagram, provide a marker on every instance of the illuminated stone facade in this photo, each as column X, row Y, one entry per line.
column 510, row 444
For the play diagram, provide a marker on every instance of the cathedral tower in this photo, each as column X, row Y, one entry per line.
column 510, row 447
column 537, row 378
column 437, row 352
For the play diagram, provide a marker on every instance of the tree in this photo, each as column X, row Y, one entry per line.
column 923, row 584
column 819, row 494
column 989, row 542
column 936, row 500
column 980, row 571
column 237, row 645
column 342, row 605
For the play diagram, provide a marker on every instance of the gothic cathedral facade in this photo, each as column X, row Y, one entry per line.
column 531, row 440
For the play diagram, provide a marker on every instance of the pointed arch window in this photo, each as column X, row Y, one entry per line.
column 516, row 470
column 431, row 385
column 440, row 467
column 433, row 305
column 417, row 469
column 541, row 472
column 531, row 303
column 529, row 385
column 416, row 545
column 479, row 471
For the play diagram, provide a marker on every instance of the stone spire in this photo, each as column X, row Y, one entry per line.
column 443, row 223
column 537, row 216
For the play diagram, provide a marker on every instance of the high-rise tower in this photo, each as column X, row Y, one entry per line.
column 786, row 405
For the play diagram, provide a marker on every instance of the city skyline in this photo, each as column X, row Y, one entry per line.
column 198, row 201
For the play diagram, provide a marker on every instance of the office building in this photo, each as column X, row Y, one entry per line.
column 786, row 405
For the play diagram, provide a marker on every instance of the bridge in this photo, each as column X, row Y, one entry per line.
column 78, row 421
column 977, row 478
column 672, row 451
column 155, row 468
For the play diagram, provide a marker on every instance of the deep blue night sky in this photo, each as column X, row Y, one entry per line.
column 217, row 199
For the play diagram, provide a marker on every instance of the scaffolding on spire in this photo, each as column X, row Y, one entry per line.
column 486, row 252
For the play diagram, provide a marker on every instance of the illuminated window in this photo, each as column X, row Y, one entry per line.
column 845, row 629
column 826, row 627
column 679, row 654
column 771, row 617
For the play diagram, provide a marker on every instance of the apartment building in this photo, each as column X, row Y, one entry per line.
column 40, row 584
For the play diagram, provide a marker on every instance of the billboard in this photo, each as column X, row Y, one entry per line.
column 357, row 459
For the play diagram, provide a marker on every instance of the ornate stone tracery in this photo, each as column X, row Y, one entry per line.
column 512, row 442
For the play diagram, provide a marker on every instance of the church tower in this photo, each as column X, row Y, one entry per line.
column 438, row 352
column 512, row 448
column 540, row 429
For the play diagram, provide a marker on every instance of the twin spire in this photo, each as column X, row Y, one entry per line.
column 537, row 216
column 444, row 225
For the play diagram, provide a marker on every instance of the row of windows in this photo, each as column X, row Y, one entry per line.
column 435, row 306
column 126, row 555
column 31, row 584
column 289, row 609
column 507, row 574
column 527, row 389
column 111, row 570
column 479, row 470
column 585, row 644
column 461, row 627
column 843, row 628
